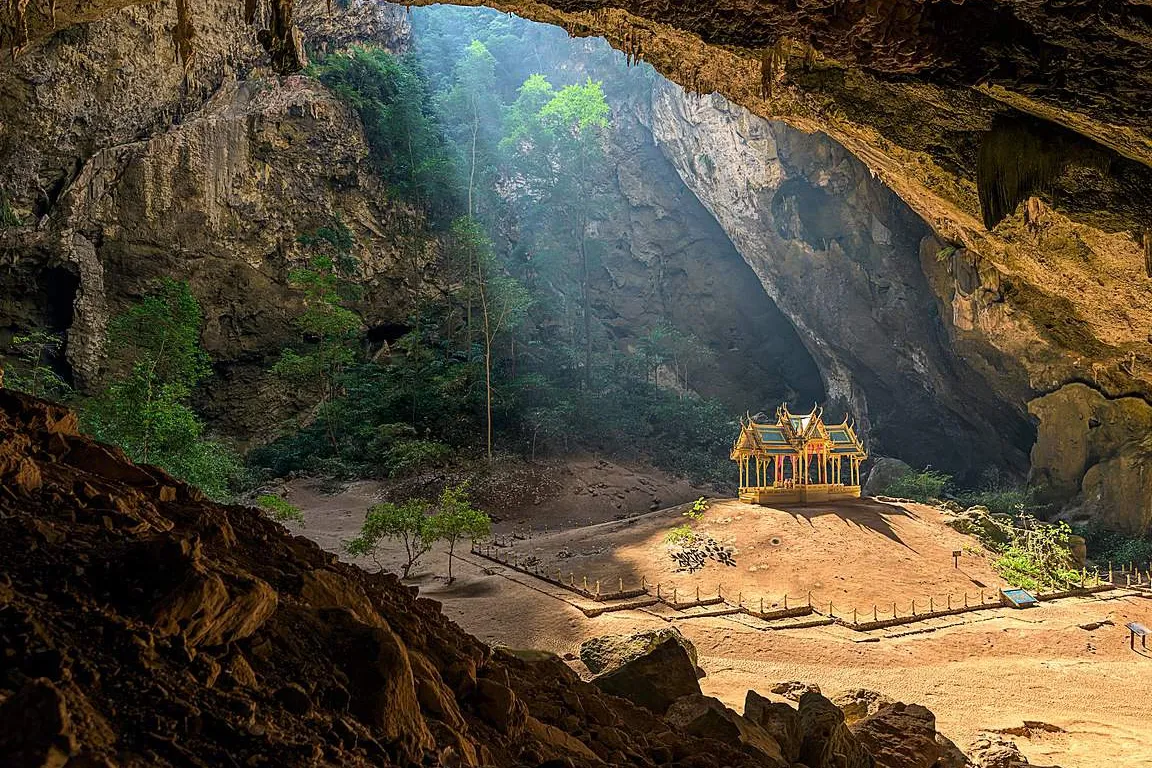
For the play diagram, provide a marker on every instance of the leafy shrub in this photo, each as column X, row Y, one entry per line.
column 1038, row 556
column 919, row 486
column 697, row 510
column 1105, row 546
column 1005, row 500
column 681, row 536
column 279, row 509
column 406, row 456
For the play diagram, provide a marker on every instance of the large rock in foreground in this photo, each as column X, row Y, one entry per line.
column 708, row 718
column 900, row 736
column 780, row 720
column 608, row 652
column 827, row 742
column 653, row 680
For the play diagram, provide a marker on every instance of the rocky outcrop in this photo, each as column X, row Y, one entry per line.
column 826, row 740
column 708, row 718
column 655, row 679
column 148, row 625
column 780, row 720
column 607, row 652
column 211, row 176
column 900, row 736
column 1097, row 451
column 833, row 248
column 860, row 703
column 885, row 471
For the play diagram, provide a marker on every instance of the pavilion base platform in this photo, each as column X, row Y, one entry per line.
column 801, row 494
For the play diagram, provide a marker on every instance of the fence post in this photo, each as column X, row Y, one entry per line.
column 739, row 599
column 644, row 583
column 585, row 583
column 674, row 600
column 875, row 613
column 809, row 598
column 949, row 601
column 657, row 590
column 761, row 606
column 913, row 607
column 785, row 601
column 597, row 587
column 854, row 616
column 621, row 584
column 893, row 609
column 1110, row 571
column 981, row 598
column 697, row 593
column 931, row 605
column 830, row 613
column 965, row 599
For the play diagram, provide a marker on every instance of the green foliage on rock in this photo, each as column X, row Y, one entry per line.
column 279, row 509
column 146, row 408
column 1105, row 546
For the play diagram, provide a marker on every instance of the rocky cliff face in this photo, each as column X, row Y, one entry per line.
column 208, row 173
column 840, row 255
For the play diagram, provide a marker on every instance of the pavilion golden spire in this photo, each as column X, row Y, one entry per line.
column 797, row 459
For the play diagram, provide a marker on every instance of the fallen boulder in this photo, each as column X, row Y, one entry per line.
column 655, row 679
column 859, row 703
column 607, row 652
column 708, row 718
column 900, row 736
column 827, row 741
column 794, row 689
column 780, row 720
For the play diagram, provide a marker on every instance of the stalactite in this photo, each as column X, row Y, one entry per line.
column 773, row 63
column 183, row 33
column 1013, row 163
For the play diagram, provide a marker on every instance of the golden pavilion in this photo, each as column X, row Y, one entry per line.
column 797, row 459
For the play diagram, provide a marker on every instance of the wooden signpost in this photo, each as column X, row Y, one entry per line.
column 956, row 558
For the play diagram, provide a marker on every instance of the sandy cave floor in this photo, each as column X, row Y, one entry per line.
column 985, row 671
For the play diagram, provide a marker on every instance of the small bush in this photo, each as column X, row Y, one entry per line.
column 279, row 509
column 1038, row 556
column 697, row 510
column 681, row 536
column 919, row 486
column 1105, row 546
column 407, row 456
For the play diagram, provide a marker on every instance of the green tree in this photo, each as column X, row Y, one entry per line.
column 502, row 299
column 35, row 375
column 146, row 410
column 392, row 100
column 562, row 149
column 456, row 519
column 408, row 521
column 471, row 111
column 329, row 339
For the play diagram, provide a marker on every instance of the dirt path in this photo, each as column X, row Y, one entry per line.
column 990, row 670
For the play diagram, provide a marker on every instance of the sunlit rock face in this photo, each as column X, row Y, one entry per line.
column 1096, row 451
column 839, row 254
